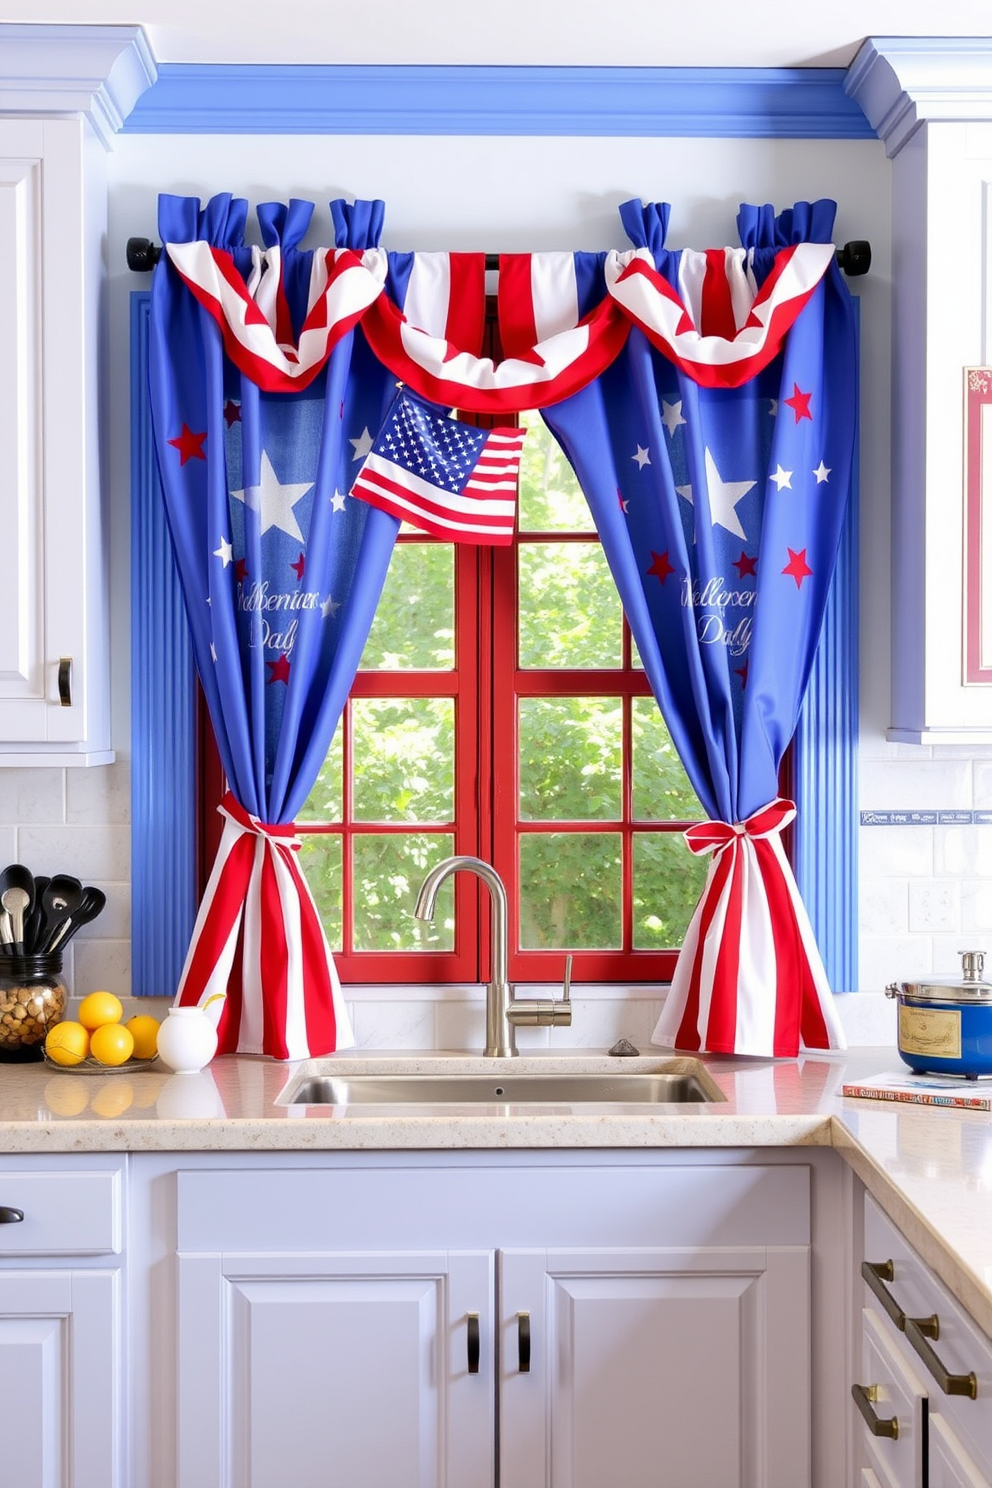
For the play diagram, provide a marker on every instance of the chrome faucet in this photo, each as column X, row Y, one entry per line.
column 503, row 1010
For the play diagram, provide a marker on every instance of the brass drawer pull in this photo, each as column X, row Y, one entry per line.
column 523, row 1342
column 864, row 1397
column 951, row 1384
column 473, row 1343
column 876, row 1274
column 10, row 1216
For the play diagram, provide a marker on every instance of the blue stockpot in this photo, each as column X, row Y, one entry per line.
column 969, row 1002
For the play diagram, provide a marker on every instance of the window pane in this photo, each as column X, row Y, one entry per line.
column 414, row 623
column 551, row 499
column 388, row 872
column 320, row 859
column 403, row 759
column 569, row 608
column 323, row 804
column 668, row 880
column 570, row 891
column 661, row 788
column 570, row 758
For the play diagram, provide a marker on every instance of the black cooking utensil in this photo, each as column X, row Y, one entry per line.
column 34, row 927
column 90, row 904
column 60, row 900
column 17, row 894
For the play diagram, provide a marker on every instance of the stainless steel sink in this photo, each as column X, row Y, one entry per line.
column 553, row 1088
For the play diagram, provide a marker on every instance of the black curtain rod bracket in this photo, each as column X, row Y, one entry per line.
column 854, row 258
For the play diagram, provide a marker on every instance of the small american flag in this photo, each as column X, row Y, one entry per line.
column 450, row 479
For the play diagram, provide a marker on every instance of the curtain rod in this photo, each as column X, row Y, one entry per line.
column 854, row 258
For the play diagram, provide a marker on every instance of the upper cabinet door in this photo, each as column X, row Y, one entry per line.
column 54, row 669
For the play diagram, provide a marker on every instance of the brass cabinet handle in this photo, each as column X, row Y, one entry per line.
column 10, row 1216
column 523, row 1342
column 473, row 1343
column 951, row 1384
column 864, row 1397
column 876, row 1274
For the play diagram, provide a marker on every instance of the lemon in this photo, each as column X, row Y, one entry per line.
column 111, row 1043
column 144, row 1030
column 67, row 1043
column 100, row 1008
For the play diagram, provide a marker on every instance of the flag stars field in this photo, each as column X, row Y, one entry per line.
column 225, row 552
column 671, row 416
column 782, row 478
column 642, row 457
column 821, row 472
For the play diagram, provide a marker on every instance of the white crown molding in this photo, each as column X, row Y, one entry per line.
column 902, row 82
column 96, row 71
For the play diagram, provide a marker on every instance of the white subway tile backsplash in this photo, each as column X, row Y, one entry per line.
column 400, row 1024
column 976, row 908
column 101, row 965
column 29, row 796
column 925, row 783
column 884, row 906
column 895, row 852
column 963, row 852
column 934, row 906
column 892, row 958
column 93, row 853
column 99, row 796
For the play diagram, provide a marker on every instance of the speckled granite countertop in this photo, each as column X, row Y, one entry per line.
column 930, row 1169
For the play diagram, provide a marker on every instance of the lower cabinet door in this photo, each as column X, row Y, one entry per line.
column 60, row 1379
column 655, row 1368
column 951, row 1465
column 347, row 1371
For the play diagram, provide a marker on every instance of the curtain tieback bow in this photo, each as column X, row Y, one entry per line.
column 746, row 980
column 717, row 836
column 282, row 989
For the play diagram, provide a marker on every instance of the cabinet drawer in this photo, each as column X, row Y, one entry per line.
column 897, row 1395
column 68, row 1213
column 960, row 1346
column 309, row 1209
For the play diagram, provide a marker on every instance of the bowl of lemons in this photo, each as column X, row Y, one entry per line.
column 98, row 1041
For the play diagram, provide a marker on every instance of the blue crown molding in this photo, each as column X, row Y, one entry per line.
column 97, row 71
column 902, row 82
column 163, row 717
column 758, row 103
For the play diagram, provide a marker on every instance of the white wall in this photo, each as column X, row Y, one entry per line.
column 920, row 886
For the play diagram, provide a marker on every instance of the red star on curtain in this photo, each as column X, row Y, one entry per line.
column 799, row 403
column 240, row 570
column 232, row 413
column 797, row 568
column 745, row 565
column 279, row 669
column 660, row 565
column 189, row 445
column 298, row 568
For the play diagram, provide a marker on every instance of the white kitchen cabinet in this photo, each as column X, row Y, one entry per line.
column 617, row 1365
column 61, row 1326
column 932, row 1374
column 54, row 639
column 324, row 1315
column 931, row 105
